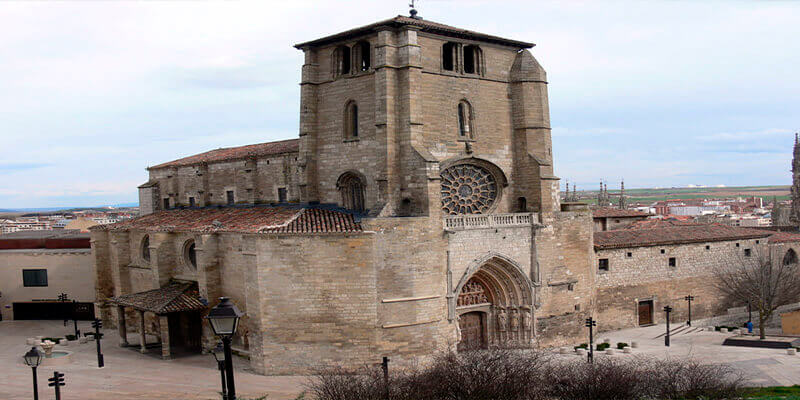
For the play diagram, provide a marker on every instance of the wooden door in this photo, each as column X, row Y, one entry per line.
column 646, row 312
column 472, row 331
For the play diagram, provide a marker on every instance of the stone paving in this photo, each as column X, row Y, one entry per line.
column 131, row 375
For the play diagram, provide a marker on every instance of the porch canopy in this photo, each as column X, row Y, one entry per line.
column 175, row 297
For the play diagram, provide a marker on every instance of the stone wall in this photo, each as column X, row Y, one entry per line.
column 643, row 273
column 253, row 181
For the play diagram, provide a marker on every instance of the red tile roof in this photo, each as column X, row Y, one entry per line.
column 659, row 223
column 608, row 212
column 784, row 237
column 235, row 153
column 673, row 235
column 254, row 219
column 175, row 297
column 423, row 24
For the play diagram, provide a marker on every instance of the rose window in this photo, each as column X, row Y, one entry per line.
column 468, row 189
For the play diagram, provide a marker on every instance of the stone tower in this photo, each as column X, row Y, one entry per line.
column 622, row 202
column 794, row 216
column 387, row 108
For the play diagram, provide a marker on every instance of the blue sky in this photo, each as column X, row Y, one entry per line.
column 660, row 93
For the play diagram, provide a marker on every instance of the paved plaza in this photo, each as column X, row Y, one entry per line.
column 131, row 375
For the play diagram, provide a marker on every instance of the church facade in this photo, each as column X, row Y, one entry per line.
column 418, row 211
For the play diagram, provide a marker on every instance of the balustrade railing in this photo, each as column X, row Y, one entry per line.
column 485, row 221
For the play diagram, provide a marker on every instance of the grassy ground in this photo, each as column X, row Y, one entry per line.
column 775, row 393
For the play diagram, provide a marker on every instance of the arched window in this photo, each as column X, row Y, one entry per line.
column 363, row 55
column 351, row 120
column 522, row 204
column 189, row 254
column 790, row 257
column 472, row 59
column 465, row 120
column 145, row 248
column 351, row 187
column 341, row 59
column 449, row 56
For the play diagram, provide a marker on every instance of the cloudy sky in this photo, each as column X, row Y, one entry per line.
column 660, row 93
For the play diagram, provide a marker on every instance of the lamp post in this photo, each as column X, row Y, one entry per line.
column 219, row 354
column 224, row 319
column 97, row 324
column 689, row 299
column 75, row 317
column 667, row 309
column 32, row 359
column 591, row 323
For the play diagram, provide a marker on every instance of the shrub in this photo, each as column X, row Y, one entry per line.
column 603, row 346
column 582, row 346
column 622, row 345
column 717, row 328
column 507, row 374
column 72, row 337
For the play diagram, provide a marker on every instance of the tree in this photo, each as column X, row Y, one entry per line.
column 764, row 281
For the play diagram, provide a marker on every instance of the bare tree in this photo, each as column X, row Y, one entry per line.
column 763, row 281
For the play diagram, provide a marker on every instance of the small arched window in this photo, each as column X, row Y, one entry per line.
column 351, row 120
column 341, row 59
column 790, row 257
column 351, row 187
column 522, row 204
column 472, row 59
column 363, row 55
column 145, row 248
column 449, row 56
column 189, row 254
column 465, row 120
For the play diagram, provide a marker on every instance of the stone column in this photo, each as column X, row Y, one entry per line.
column 123, row 331
column 163, row 324
column 142, row 334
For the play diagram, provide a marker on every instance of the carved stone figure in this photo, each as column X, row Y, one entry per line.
column 527, row 319
column 514, row 320
column 502, row 319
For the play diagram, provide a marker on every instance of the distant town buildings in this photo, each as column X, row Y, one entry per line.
column 80, row 220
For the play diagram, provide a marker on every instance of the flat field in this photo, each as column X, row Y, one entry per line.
column 651, row 195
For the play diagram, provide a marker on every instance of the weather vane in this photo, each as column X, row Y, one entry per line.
column 413, row 10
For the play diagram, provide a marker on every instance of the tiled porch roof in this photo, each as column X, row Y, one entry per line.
column 175, row 297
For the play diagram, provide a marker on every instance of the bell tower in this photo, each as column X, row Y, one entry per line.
column 429, row 118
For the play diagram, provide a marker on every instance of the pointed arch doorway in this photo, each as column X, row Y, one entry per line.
column 494, row 305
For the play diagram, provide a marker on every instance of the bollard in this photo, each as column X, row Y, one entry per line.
column 627, row 350
column 791, row 351
column 635, row 344
column 610, row 352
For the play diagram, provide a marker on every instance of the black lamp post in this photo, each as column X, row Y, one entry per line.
column 224, row 319
column 667, row 309
column 219, row 354
column 689, row 299
column 591, row 323
column 97, row 324
column 32, row 359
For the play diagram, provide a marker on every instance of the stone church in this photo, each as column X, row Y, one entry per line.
column 418, row 211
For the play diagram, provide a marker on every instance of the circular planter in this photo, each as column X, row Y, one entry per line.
column 59, row 357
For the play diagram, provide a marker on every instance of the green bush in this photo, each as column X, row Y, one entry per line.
column 72, row 337
column 581, row 346
column 622, row 345
column 603, row 346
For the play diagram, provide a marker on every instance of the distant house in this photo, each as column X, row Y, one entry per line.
column 606, row 219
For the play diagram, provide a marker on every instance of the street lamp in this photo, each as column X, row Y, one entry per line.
column 667, row 309
column 32, row 359
column 689, row 299
column 219, row 354
column 224, row 319
column 591, row 323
